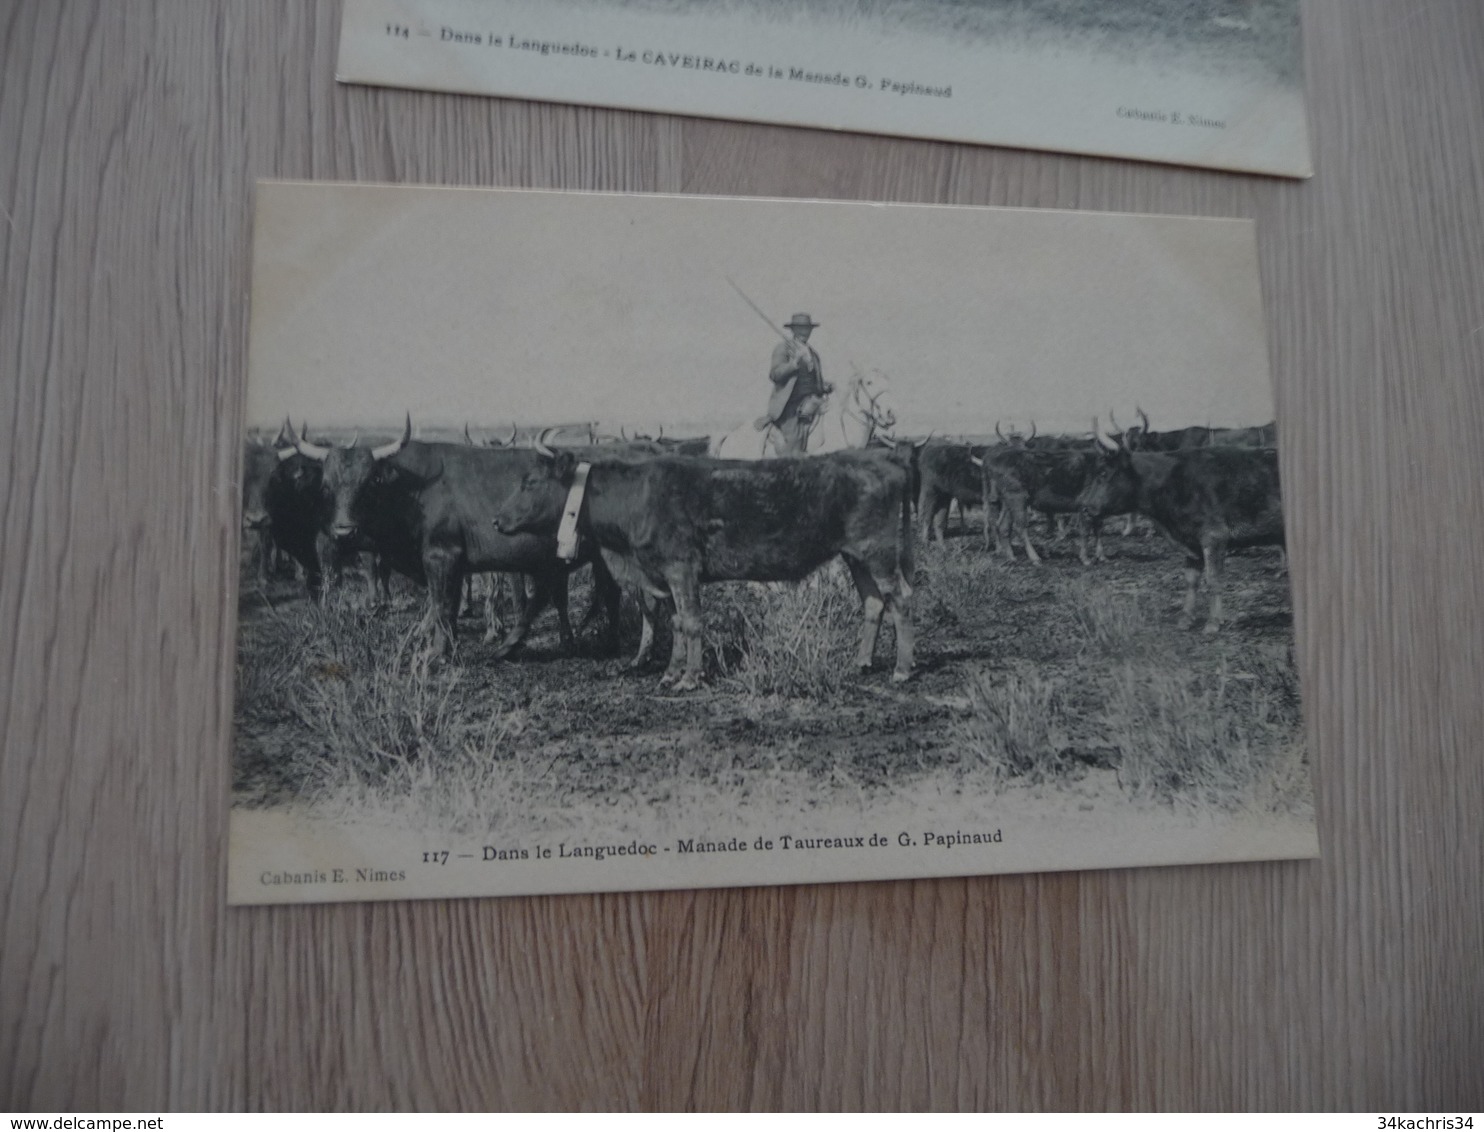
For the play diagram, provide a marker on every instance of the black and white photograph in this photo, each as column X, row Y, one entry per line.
column 1214, row 83
column 599, row 542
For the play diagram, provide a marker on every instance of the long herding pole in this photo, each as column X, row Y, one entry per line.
column 758, row 311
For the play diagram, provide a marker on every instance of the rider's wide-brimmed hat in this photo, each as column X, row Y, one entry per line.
column 801, row 320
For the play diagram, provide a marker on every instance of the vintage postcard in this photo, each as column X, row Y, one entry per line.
column 599, row 542
column 1214, row 83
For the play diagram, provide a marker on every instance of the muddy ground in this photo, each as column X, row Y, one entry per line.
column 1029, row 674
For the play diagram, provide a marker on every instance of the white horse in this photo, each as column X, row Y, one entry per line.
column 852, row 423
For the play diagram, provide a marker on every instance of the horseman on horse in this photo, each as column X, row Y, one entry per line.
column 801, row 417
column 799, row 389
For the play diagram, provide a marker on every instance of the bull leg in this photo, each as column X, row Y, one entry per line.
column 607, row 593
column 1004, row 533
column 521, row 595
column 1093, row 526
column 676, row 666
column 926, row 503
column 445, row 573
column 340, row 560
column 1192, row 580
column 896, row 588
column 306, row 554
column 1215, row 554
column 934, row 511
column 263, row 556
column 544, row 585
column 314, row 582
column 885, row 588
column 872, row 605
column 1022, row 518
column 558, row 584
column 685, row 588
column 493, row 601
column 646, row 633
column 381, row 572
column 1030, row 549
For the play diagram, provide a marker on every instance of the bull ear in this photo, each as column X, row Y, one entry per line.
column 564, row 466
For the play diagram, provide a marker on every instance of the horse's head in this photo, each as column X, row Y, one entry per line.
column 852, row 417
column 870, row 399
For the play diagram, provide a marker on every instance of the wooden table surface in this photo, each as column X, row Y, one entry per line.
column 130, row 138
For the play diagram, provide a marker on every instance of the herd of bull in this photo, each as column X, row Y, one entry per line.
column 657, row 518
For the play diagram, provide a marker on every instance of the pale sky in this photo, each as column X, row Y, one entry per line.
column 493, row 306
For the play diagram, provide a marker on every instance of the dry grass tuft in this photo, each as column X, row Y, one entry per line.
column 1012, row 725
column 1230, row 739
column 787, row 639
column 1105, row 622
column 380, row 724
column 955, row 579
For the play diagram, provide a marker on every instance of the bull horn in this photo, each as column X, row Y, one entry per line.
column 1000, row 434
column 303, row 447
column 1142, row 417
column 1032, row 436
column 623, row 435
column 469, row 440
column 355, row 439
column 1113, row 421
column 282, row 446
column 975, row 460
column 541, row 445
column 513, row 433
column 386, row 451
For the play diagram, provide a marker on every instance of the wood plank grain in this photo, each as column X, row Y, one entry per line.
column 132, row 136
